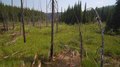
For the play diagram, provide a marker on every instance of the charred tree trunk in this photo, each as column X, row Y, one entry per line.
column 52, row 33
column 22, row 21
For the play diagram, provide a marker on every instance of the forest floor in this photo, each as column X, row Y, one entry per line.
column 13, row 52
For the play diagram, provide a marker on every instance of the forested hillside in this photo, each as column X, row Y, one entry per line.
column 9, row 13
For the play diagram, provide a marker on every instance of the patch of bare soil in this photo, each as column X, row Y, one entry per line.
column 112, row 62
column 68, row 59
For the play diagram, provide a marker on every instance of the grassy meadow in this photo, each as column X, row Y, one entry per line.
column 13, row 51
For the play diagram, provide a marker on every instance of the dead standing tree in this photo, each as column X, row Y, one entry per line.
column 33, row 22
column 22, row 22
column 57, row 20
column 46, row 15
column 102, row 38
column 12, row 15
column 41, row 17
column 80, row 35
column 52, row 32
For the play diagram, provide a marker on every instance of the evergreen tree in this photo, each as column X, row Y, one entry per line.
column 84, row 15
column 69, row 16
column 114, row 24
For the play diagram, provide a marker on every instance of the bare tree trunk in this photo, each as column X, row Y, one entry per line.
column 102, row 44
column 57, row 19
column 12, row 14
column 81, row 47
column 102, row 48
column 46, row 15
column 22, row 21
column 39, row 21
column 33, row 23
column 52, row 33
column 41, row 18
column 102, row 38
column 81, row 40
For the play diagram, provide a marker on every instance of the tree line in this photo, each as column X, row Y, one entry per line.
column 9, row 13
column 108, row 14
column 87, row 15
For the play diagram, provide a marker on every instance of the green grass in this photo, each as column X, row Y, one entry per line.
column 38, row 41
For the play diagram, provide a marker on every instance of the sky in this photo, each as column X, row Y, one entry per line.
column 62, row 4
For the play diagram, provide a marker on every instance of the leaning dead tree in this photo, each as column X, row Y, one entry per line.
column 22, row 21
column 52, row 32
column 102, row 37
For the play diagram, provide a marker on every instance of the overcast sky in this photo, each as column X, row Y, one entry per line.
column 41, row 4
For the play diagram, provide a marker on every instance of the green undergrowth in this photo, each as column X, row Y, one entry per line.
column 38, row 42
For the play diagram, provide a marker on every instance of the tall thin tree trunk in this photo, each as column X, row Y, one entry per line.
column 33, row 22
column 102, row 38
column 57, row 19
column 46, row 14
column 81, row 47
column 12, row 15
column 22, row 21
column 52, row 33
column 81, row 40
